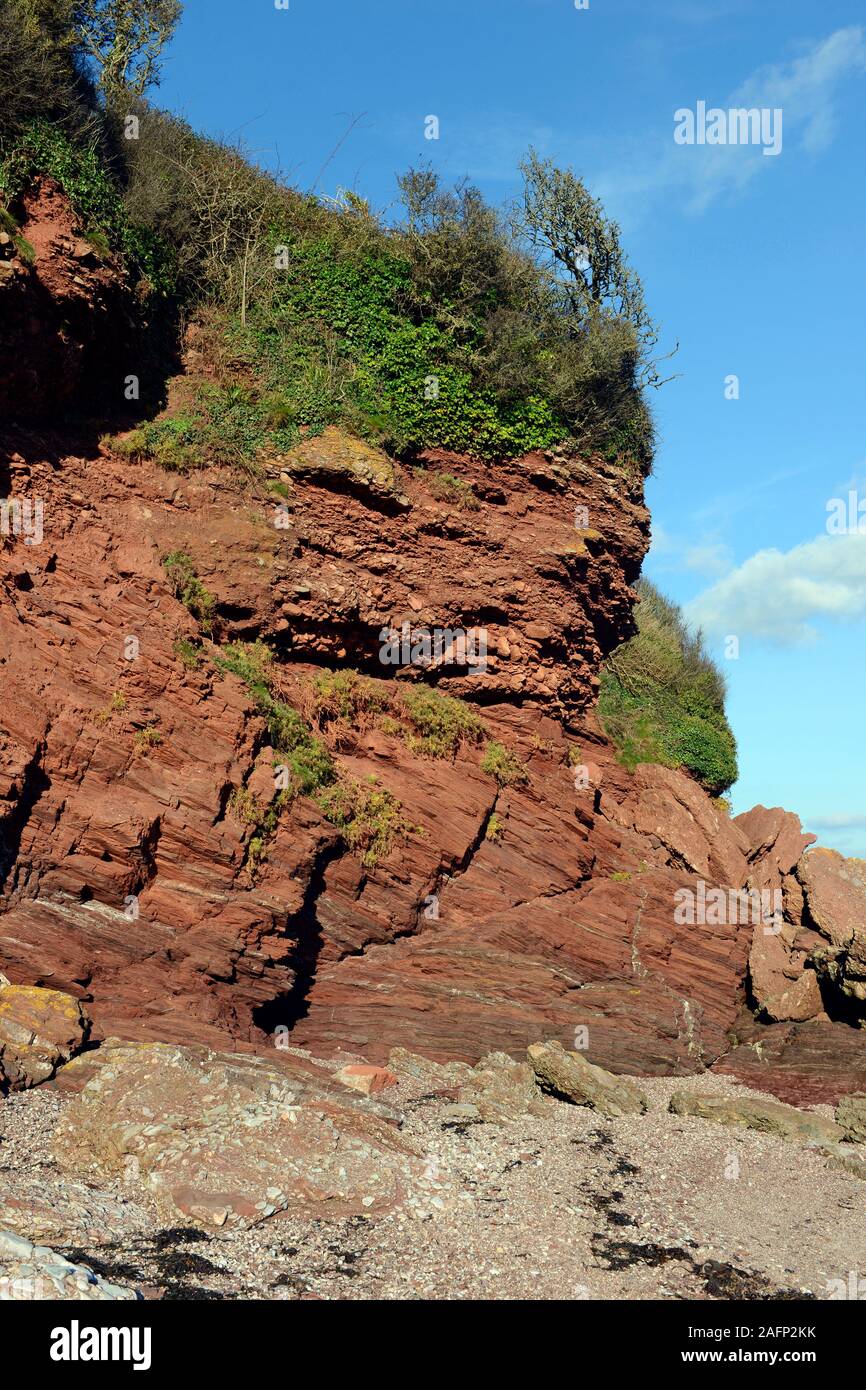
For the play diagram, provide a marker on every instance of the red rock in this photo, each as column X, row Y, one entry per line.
column 366, row 1079
column 125, row 881
column 803, row 1063
column 782, row 988
column 776, row 842
column 147, row 1114
column 534, row 936
column 65, row 315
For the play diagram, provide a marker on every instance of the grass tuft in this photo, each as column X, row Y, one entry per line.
column 504, row 765
column 439, row 724
column 186, row 586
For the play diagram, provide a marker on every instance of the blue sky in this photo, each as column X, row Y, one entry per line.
column 752, row 262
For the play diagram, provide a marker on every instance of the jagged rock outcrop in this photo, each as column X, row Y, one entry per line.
column 834, row 889
column 803, row 1063
column 124, row 879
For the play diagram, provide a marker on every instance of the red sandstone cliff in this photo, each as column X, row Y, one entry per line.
column 122, row 867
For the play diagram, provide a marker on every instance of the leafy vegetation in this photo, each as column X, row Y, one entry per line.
column 295, row 745
column 186, row 586
column 82, row 173
column 439, row 725
column 116, row 705
column 224, row 425
column 145, row 739
column 495, row 829
column 187, row 653
column 41, row 76
column 455, row 325
column 21, row 244
column 662, row 698
column 347, row 695
column 504, row 765
column 369, row 817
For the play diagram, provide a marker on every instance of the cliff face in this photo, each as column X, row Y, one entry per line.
column 504, row 914
column 68, row 312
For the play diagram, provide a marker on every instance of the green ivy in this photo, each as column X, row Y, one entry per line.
column 335, row 346
column 81, row 173
column 662, row 699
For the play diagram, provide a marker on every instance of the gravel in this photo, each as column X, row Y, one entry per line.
column 565, row 1204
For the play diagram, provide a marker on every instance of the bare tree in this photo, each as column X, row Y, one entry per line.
column 40, row 74
column 124, row 39
column 232, row 207
column 560, row 219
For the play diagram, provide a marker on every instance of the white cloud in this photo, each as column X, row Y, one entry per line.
column 805, row 89
column 840, row 822
column 845, row 833
column 775, row 594
column 711, row 559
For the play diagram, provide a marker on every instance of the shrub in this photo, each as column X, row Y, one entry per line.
column 347, row 695
column 495, row 829
column 188, row 653
column 245, row 806
column 260, row 820
column 440, row 725
column 173, row 442
column 23, row 247
column 306, row 756
column 222, row 425
column 132, row 446
column 446, row 488
column 40, row 77
column 116, row 705
column 251, row 662
column 145, row 739
column 452, row 327
column 295, row 746
column 504, row 765
column 256, row 852
column 369, row 817
column 581, row 247
column 208, row 201
column 662, row 698
column 186, row 586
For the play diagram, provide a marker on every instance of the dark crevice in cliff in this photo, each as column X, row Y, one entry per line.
column 287, row 1009
column 447, row 874
column 34, row 784
column 144, row 856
